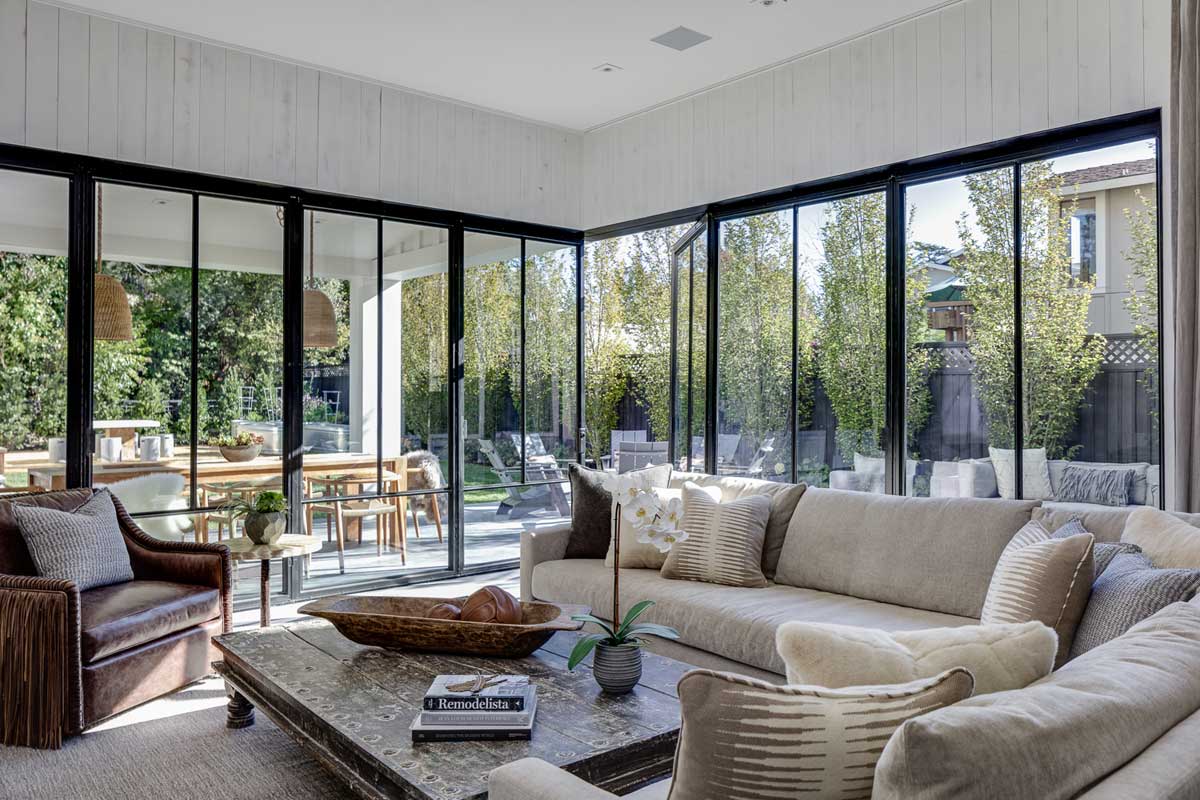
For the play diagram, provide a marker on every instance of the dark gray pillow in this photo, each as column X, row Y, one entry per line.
column 591, row 513
column 1102, row 552
column 1129, row 591
column 85, row 546
column 1101, row 485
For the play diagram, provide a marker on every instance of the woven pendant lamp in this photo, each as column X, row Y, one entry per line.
column 320, row 321
column 112, row 320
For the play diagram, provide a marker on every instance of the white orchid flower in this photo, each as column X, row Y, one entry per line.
column 640, row 510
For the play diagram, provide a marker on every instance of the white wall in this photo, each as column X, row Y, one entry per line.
column 968, row 73
column 74, row 82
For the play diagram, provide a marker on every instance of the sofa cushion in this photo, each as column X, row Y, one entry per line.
column 1129, row 591
column 744, row 739
column 1167, row 541
column 784, row 497
column 591, row 504
column 1034, row 469
column 1000, row 657
column 730, row 621
column 934, row 553
column 1106, row 524
column 1060, row 735
column 85, row 546
column 723, row 541
column 1166, row 770
column 1104, row 486
column 977, row 478
column 117, row 617
column 1140, row 469
column 1042, row 578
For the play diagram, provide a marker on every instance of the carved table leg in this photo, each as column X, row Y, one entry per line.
column 239, row 712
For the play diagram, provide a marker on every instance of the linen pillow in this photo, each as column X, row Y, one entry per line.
column 1100, row 486
column 1035, row 470
column 1060, row 735
column 85, row 546
column 1000, row 657
column 1167, row 541
column 1129, row 591
column 724, row 540
column 591, row 513
column 746, row 738
column 1042, row 578
column 1102, row 552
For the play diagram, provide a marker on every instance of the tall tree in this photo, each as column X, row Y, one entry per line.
column 1060, row 357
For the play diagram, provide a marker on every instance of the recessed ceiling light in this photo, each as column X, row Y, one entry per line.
column 161, row 201
column 765, row 3
column 681, row 38
column 606, row 67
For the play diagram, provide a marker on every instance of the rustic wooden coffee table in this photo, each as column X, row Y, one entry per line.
column 350, row 705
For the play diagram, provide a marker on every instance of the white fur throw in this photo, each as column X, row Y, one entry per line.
column 1001, row 657
column 426, row 474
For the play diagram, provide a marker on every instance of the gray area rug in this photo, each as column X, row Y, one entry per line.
column 176, row 748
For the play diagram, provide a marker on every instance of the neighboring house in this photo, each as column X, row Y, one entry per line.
column 1099, row 238
column 1100, row 234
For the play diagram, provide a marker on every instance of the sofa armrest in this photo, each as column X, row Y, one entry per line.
column 41, row 691
column 538, row 545
column 179, row 562
column 534, row 779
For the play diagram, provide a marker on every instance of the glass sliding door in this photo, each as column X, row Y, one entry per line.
column 754, row 347
column 841, row 365
column 142, row 351
column 1090, row 390
column 33, row 303
column 959, row 325
column 690, row 369
column 520, row 378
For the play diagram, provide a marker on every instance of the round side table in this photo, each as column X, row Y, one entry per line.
column 288, row 546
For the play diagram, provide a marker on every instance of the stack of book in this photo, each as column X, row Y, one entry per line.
column 459, row 708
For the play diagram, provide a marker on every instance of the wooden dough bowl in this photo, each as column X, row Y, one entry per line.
column 401, row 623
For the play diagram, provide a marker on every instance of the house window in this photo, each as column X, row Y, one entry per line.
column 1081, row 238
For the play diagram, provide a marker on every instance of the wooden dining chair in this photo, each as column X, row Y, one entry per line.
column 387, row 512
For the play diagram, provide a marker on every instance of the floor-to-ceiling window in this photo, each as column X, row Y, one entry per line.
column 33, row 337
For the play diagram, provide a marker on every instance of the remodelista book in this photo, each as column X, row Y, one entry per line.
column 422, row 731
column 504, row 693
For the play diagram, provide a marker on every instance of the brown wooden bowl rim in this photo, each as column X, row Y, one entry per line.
column 319, row 608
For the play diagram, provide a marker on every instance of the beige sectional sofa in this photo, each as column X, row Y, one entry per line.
column 851, row 558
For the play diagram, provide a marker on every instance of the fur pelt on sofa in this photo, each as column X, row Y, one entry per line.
column 425, row 473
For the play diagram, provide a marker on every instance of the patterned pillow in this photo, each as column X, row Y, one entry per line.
column 724, row 540
column 743, row 739
column 1129, row 591
column 1103, row 552
column 85, row 546
column 1042, row 578
column 1103, row 486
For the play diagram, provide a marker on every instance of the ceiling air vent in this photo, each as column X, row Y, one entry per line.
column 681, row 38
column 605, row 67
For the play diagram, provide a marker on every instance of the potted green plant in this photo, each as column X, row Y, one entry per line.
column 264, row 517
column 617, row 664
column 240, row 447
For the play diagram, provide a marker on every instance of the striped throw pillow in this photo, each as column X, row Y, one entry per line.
column 1042, row 578
column 724, row 541
column 746, row 739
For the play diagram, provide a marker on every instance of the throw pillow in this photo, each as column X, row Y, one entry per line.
column 1000, row 657
column 724, row 540
column 1042, row 578
column 1059, row 736
column 85, row 546
column 591, row 513
column 977, row 478
column 1167, row 541
column 1035, row 471
column 1100, row 486
column 1129, row 591
column 868, row 465
column 1102, row 552
column 746, row 738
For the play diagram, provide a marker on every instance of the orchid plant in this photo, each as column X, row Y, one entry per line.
column 657, row 522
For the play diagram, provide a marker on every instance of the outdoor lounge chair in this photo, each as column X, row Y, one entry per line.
column 521, row 501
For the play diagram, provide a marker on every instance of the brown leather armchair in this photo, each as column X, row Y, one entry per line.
column 70, row 659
